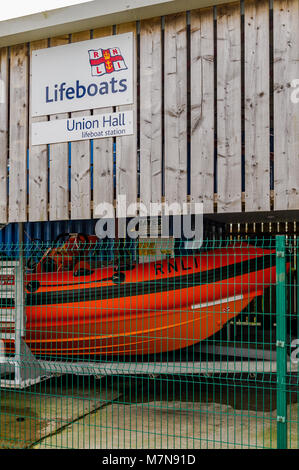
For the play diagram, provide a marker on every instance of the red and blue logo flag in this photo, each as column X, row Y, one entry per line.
column 104, row 61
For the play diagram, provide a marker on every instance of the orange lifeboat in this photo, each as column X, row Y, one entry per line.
column 76, row 309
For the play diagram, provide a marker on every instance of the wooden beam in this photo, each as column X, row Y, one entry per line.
column 229, row 108
column 202, row 108
column 80, row 163
column 38, row 162
column 175, row 105
column 59, row 163
column 257, row 105
column 150, row 111
column 103, row 190
column 126, row 146
column 286, row 111
column 18, row 138
column 4, row 74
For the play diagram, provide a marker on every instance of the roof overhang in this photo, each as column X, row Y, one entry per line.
column 94, row 14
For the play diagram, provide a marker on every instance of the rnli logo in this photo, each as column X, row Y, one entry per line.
column 105, row 61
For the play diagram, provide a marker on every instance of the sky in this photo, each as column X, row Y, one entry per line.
column 16, row 8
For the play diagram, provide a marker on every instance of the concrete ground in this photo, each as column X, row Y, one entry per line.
column 160, row 425
column 72, row 412
column 26, row 416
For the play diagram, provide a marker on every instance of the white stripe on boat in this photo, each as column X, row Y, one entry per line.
column 217, row 302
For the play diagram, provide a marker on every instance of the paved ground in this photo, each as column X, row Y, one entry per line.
column 27, row 416
column 168, row 426
column 146, row 413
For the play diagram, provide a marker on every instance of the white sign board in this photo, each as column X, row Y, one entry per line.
column 84, row 75
column 98, row 126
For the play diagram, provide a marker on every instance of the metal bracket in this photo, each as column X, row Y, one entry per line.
column 281, row 419
column 280, row 344
column 280, row 254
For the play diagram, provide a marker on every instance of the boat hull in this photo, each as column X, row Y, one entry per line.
column 149, row 332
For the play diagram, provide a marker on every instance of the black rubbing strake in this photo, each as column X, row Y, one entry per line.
column 152, row 286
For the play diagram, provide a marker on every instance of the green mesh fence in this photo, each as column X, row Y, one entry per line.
column 152, row 344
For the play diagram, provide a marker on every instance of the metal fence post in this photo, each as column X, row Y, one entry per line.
column 281, row 338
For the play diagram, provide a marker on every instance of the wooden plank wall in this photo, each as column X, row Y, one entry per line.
column 203, row 115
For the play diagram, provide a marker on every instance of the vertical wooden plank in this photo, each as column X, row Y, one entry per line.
column 286, row 112
column 257, row 106
column 18, row 139
column 102, row 152
column 175, row 108
column 4, row 74
column 202, row 108
column 229, row 108
column 150, row 111
column 59, row 192
column 38, row 163
column 80, row 163
column 126, row 146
